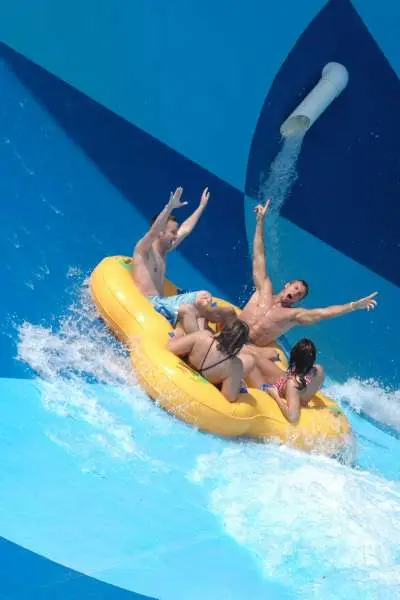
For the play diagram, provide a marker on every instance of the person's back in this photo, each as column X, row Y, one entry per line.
column 215, row 356
column 214, row 364
column 294, row 387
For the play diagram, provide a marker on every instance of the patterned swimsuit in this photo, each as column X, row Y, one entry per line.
column 280, row 383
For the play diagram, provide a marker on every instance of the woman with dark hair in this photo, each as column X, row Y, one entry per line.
column 214, row 355
column 295, row 387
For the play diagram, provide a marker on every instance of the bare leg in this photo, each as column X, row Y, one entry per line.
column 315, row 385
column 266, row 361
column 203, row 324
column 195, row 317
column 262, row 353
column 187, row 318
column 251, row 370
column 264, row 370
column 178, row 331
column 189, row 321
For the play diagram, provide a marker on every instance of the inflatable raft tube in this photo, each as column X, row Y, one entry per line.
column 184, row 393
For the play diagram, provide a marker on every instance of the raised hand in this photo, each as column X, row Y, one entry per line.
column 204, row 198
column 261, row 210
column 175, row 199
column 367, row 303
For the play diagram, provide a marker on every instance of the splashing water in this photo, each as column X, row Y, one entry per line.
column 381, row 404
column 84, row 374
column 335, row 530
column 280, row 180
column 367, row 396
column 81, row 352
column 282, row 173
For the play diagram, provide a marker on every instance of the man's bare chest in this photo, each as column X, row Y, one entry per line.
column 155, row 264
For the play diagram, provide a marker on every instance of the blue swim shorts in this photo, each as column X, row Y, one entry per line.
column 168, row 306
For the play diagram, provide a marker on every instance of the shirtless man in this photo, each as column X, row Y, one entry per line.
column 269, row 316
column 150, row 257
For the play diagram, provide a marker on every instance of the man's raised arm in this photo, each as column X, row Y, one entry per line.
column 189, row 224
column 260, row 275
column 303, row 316
column 159, row 224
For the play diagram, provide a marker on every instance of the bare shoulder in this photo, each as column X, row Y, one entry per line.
column 252, row 301
column 206, row 336
column 265, row 294
column 291, row 383
column 140, row 253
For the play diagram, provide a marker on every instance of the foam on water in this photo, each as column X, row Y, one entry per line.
column 331, row 531
column 326, row 530
column 78, row 352
column 85, row 375
column 381, row 404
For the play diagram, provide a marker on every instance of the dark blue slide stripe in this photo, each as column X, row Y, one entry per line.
column 42, row 579
column 348, row 187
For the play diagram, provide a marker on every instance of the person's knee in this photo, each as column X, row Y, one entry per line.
column 203, row 298
column 187, row 310
column 178, row 331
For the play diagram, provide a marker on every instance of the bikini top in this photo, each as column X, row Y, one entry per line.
column 280, row 383
column 228, row 357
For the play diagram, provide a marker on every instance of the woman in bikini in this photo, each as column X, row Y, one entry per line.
column 295, row 387
column 214, row 355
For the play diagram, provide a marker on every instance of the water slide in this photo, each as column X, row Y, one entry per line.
column 104, row 110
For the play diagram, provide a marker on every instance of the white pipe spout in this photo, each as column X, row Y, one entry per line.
column 333, row 81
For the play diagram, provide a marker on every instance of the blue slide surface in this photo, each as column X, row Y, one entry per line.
column 103, row 111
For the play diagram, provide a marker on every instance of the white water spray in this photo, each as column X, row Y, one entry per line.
column 85, row 375
column 277, row 185
column 282, row 172
column 370, row 397
column 334, row 529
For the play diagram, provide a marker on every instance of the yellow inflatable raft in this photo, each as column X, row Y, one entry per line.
column 184, row 393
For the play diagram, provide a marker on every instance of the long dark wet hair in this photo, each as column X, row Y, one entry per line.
column 232, row 338
column 302, row 359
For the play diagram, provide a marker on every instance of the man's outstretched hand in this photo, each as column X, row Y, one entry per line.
column 261, row 210
column 175, row 199
column 367, row 303
column 204, row 198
